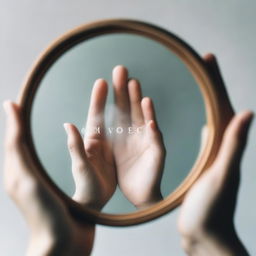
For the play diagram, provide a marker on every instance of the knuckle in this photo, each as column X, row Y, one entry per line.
column 71, row 145
column 80, row 166
column 94, row 146
column 20, row 187
column 14, row 143
column 9, row 187
column 28, row 186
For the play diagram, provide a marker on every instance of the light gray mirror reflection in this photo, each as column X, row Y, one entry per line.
column 64, row 93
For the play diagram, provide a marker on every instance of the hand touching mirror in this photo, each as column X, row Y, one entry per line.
column 206, row 221
column 200, row 225
column 178, row 102
column 185, row 99
column 135, row 160
column 53, row 230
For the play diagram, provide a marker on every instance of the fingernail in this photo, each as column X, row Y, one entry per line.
column 66, row 127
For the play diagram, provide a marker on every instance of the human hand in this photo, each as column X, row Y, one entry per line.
column 206, row 221
column 93, row 164
column 53, row 230
column 139, row 155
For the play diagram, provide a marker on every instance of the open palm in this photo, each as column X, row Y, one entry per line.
column 139, row 151
column 93, row 164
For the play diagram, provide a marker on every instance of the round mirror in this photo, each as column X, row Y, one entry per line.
column 162, row 80
column 64, row 96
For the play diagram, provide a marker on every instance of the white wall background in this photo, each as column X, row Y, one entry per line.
column 226, row 28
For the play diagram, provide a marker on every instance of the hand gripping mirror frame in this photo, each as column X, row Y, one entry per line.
column 218, row 112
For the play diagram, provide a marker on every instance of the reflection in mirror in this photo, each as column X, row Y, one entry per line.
column 64, row 97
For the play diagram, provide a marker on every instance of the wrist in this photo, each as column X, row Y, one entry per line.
column 62, row 243
column 207, row 243
column 88, row 201
column 42, row 244
column 153, row 199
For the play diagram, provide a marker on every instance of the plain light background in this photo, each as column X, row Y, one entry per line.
column 224, row 28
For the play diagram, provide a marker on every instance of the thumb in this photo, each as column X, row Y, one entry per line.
column 13, row 135
column 75, row 147
column 234, row 141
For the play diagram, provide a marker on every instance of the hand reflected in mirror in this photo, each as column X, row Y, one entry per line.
column 134, row 159
column 139, row 153
column 206, row 221
column 93, row 166
column 53, row 231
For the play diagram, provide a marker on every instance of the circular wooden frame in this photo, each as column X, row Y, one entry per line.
column 214, row 97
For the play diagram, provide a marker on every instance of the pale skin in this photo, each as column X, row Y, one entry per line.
column 139, row 156
column 206, row 221
column 55, row 232
column 134, row 160
column 93, row 165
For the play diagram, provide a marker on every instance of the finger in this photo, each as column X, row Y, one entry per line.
column 148, row 110
column 134, row 91
column 234, row 141
column 13, row 137
column 152, row 130
column 150, row 119
column 120, row 76
column 75, row 147
column 19, row 175
column 212, row 64
column 95, row 119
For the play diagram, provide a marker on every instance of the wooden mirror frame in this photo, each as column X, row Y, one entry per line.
column 218, row 112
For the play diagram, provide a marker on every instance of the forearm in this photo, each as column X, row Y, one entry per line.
column 51, row 249
column 210, row 245
column 79, row 244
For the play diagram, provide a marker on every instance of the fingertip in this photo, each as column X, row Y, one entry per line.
column 12, row 112
column 246, row 115
column 120, row 75
column 245, row 120
column 133, row 82
column 101, row 84
column 120, row 68
column 98, row 97
column 210, row 57
column 66, row 127
column 235, row 138
column 69, row 127
column 146, row 101
column 8, row 105
column 100, row 81
column 241, row 120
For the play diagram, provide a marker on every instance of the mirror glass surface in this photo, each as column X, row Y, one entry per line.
column 64, row 94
